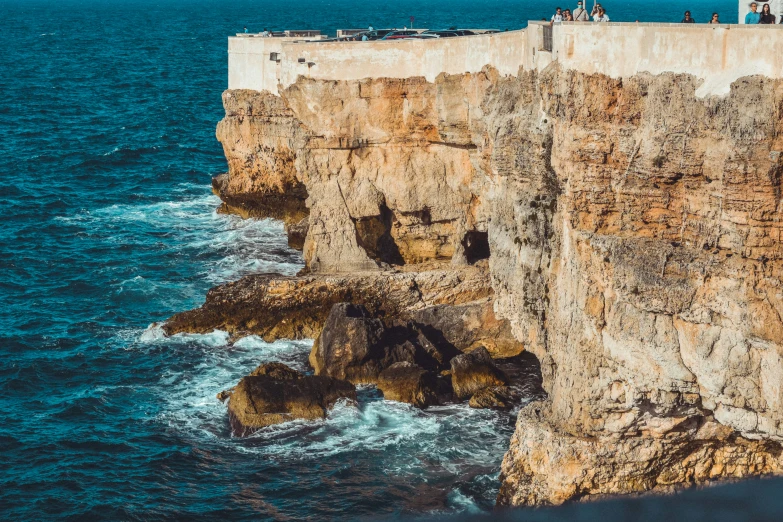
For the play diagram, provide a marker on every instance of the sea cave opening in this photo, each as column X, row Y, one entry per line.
column 476, row 246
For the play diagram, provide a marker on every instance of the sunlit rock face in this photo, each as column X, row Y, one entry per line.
column 633, row 233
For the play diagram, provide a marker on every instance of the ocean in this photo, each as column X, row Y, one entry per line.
column 107, row 126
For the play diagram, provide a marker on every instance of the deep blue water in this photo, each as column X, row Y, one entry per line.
column 107, row 147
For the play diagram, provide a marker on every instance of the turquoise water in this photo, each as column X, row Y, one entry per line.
column 107, row 138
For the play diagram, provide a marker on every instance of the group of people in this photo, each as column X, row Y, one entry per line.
column 688, row 19
column 598, row 14
column 752, row 18
column 765, row 17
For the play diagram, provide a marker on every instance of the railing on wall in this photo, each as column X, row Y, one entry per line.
column 548, row 38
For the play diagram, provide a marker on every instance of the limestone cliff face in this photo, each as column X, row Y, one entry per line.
column 648, row 284
column 386, row 166
column 634, row 241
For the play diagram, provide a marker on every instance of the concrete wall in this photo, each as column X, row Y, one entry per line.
column 406, row 58
column 719, row 54
column 250, row 67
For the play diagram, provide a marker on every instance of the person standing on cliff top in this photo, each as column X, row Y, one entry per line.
column 753, row 16
column 766, row 17
column 601, row 16
column 557, row 17
column 687, row 19
column 714, row 19
column 580, row 15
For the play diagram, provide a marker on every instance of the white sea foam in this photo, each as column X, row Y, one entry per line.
column 153, row 333
column 233, row 246
column 403, row 441
column 288, row 352
column 458, row 501
column 189, row 393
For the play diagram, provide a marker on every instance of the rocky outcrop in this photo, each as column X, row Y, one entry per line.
column 408, row 382
column 274, row 306
column 356, row 346
column 494, row 398
column 260, row 136
column 633, row 235
column 475, row 371
column 274, row 393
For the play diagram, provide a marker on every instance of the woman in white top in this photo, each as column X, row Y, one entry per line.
column 601, row 16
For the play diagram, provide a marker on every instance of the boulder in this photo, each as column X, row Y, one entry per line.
column 275, row 370
column 357, row 347
column 494, row 398
column 278, row 396
column 408, row 382
column 470, row 325
column 471, row 372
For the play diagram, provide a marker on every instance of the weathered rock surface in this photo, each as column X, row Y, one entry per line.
column 278, row 371
column 275, row 370
column 275, row 393
column 469, row 326
column 634, row 241
column 548, row 466
column 259, row 136
column 408, row 382
column 356, row 346
column 494, row 398
column 474, row 371
column 638, row 255
column 455, row 302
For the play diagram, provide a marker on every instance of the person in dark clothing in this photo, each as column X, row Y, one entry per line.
column 687, row 18
column 766, row 16
column 714, row 19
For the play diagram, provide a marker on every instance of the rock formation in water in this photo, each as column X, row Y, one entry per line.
column 274, row 393
column 633, row 237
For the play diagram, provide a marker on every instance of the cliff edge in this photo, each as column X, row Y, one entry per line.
column 633, row 238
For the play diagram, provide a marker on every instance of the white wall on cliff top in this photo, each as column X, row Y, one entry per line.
column 717, row 54
column 250, row 66
column 407, row 58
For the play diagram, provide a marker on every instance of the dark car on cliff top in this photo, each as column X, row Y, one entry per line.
column 449, row 33
column 398, row 35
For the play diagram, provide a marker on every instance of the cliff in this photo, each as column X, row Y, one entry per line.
column 633, row 237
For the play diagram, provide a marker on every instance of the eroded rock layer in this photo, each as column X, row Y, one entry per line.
column 633, row 233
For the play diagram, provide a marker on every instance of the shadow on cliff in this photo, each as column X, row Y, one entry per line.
column 753, row 500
